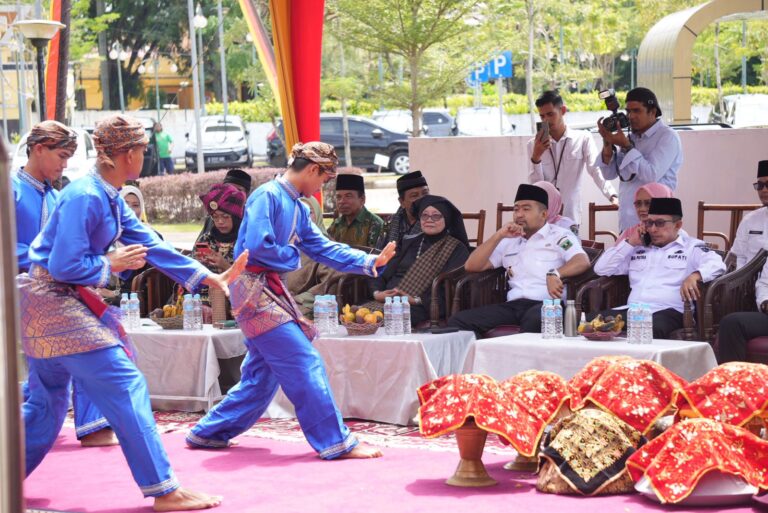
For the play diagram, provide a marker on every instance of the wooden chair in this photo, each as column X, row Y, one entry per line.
column 736, row 215
column 593, row 210
column 480, row 218
column 501, row 209
column 732, row 292
column 490, row 287
column 153, row 289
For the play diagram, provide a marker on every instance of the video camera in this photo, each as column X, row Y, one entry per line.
column 617, row 120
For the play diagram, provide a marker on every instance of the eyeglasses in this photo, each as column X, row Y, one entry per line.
column 434, row 217
column 658, row 223
column 759, row 186
column 642, row 203
column 221, row 217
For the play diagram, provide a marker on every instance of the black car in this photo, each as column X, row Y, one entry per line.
column 366, row 139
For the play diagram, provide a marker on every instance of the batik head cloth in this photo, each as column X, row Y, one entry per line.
column 115, row 135
column 320, row 153
column 52, row 135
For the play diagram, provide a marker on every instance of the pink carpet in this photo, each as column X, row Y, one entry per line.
column 265, row 475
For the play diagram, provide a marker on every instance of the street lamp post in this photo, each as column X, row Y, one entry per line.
column 200, row 22
column 632, row 58
column 224, row 96
column 3, row 29
column 118, row 55
column 195, row 87
column 39, row 33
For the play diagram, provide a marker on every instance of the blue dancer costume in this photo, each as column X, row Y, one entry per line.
column 63, row 338
column 276, row 226
column 34, row 202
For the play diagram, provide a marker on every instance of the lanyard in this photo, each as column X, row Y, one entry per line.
column 559, row 162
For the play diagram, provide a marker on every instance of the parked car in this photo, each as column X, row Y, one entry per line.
column 225, row 144
column 367, row 138
column 83, row 160
column 482, row 121
column 434, row 122
column 742, row 110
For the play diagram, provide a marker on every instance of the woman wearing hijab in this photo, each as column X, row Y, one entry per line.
column 224, row 204
column 68, row 332
column 555, row 206
column 643, row 197
column 441, row 247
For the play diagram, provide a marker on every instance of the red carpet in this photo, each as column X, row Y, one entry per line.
column 264, row 475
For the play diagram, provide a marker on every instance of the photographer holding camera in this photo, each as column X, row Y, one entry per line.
column 651, row 152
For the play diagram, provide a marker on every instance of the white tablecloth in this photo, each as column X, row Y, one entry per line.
column 503, row 357
column 375, row 377
column 182, row 367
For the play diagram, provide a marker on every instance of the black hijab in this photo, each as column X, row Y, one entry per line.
column 454, row 221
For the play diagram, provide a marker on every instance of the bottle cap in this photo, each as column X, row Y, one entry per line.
column 196, row 296
column 134, row 295
column 388, row 299
column 557, row 301
column 187, row 296
column 125, row 295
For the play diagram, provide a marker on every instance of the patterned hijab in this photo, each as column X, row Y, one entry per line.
column 320, row 153
column 115, row 135
column 52, row 135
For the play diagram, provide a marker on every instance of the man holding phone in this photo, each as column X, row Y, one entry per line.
column 664, row 268
column 560, row 156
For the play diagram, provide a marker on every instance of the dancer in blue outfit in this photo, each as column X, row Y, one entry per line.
column 68, row 331
column 49, row 145
column 279, row 339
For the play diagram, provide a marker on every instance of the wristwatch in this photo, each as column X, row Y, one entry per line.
column 417, row 299
column 553, row 272
column 764, row 306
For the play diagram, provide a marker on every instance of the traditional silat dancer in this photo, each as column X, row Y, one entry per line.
column 279, row 340
column 68, row 332
column 50, row 145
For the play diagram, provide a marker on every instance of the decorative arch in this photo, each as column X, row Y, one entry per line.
column 664, row 59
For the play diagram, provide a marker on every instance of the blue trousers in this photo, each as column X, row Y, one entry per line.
column 88, row 418
column 282, row 356
column 118, row 389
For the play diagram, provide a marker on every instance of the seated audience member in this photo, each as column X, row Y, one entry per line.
column 643, row 197
column 554, row 208
column 752, row 234
column 238, row 179
column 738, row 328
column 441, row 247
column 536, row 256
column 356, row 225
column 665, row 272
column 215, row 248
column 402, row 225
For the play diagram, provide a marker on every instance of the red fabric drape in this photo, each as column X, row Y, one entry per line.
column 52, row 66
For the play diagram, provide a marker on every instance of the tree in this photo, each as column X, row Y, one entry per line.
column 430, row 38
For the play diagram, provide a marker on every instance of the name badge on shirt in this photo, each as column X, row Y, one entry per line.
column 639, row 256
column 678, row 255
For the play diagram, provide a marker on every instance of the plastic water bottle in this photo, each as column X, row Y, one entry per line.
column 197, row 309
column 646, row 326
column 188, row 312
column 320, row 311
column 135, row 312
column 125, row 313
column 397, row 316
column 388, row 315
column 633, row 324
column 406, row 315
column 546, row 319
column 334, row 313
column 557, row 332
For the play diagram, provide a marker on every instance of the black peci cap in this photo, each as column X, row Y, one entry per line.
column 533, row 193
column 239, row 177
column 410, row 181
column 349, row 182
column 666, row 207
column 762, row 168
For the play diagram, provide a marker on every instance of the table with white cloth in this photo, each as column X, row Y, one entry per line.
column 375, row 377
column 503, row 357
column 182, row 366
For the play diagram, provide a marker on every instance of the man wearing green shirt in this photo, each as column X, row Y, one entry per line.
column 164, row 143
column 356, row 225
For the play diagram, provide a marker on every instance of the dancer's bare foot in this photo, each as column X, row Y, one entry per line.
column 101, row 438
column 182, row 499
column 362, row 452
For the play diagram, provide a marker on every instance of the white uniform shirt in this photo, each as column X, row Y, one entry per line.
column 656, row 274
column 751, row 236
column 580, row 153
column 568, row 224
column 761, row 287
column 528, row 260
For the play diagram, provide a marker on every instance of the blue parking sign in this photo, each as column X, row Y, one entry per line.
column 498, row 67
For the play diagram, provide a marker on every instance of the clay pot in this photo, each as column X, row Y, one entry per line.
column 471, row 471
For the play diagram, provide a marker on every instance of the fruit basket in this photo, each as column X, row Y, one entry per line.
column 602, row 329
column 364, row 328
column 169, row 323
column 361, row 321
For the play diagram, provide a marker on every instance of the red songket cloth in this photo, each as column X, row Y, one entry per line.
column 676, row 460
column 517, row 410
column 581, row 384
column 733, row 393
column 639, row 392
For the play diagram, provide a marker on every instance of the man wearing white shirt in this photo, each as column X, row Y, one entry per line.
column 536, row 255
column 562, row 157
column 666, row 271
column 738, row 328
column 651, row 153
column 752, row 234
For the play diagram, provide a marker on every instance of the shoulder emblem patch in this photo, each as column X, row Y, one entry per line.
column 565, row 243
